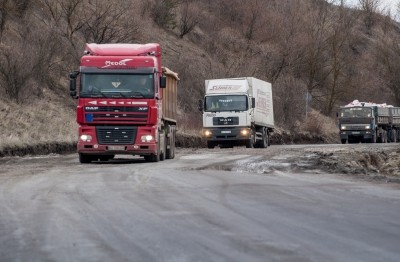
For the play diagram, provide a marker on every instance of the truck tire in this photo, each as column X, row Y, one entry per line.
column 343, row 141
column 106, row 158
column 164, row 151
column 210, row 144
column 156, row 157
column 250, row 141
column 170, row 153
column 85, row 159
column 264, row 141
column 153, row 158
column 372, row 140
column 392, row 136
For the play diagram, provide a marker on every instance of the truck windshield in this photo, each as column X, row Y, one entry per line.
column 117, row 85
column 226, row 103
column 356, row 112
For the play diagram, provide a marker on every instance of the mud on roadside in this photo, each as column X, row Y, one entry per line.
column 380, row 165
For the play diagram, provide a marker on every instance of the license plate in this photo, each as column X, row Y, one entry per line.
column 355, row 133
column 226, row 132
column 116, row 148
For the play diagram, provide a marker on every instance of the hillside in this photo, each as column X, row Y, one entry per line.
column 334, row 53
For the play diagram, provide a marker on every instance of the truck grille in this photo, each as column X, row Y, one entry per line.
column 103, row 114
column 225, row 121
column 356, row 127
column 116, row 135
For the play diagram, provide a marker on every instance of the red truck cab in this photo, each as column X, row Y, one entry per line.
column 126, row 103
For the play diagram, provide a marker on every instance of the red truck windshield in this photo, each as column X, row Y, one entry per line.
column 117, row 85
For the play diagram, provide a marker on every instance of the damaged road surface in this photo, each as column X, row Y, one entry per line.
column 284, row 203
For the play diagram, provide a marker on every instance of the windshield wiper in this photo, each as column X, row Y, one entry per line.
column 93, row 95
column 136, row 95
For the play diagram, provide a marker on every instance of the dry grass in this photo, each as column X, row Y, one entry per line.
column 37, row 123
column 319, row 124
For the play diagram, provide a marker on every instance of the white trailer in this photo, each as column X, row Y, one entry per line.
column 237, row 111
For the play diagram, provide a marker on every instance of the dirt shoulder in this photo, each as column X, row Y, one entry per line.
column 370, row 162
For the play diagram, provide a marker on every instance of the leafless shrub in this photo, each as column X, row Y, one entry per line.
column 188, row 18
column 289, row 102
column 370, row 8
column 110, row 23
column 11, row 8
column 163, row 13
column 15, row 72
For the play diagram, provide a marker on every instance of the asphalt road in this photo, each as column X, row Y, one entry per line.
column 201, row 206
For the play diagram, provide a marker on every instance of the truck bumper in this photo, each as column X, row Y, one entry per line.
column 100, row 143
column 96, row 149
column 227, row 135
column 365, row 134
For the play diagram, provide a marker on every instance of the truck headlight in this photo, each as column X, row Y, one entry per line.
column 147, row 138
column 343, row 127
column 368, row 127
column 207, row 133
column 244, row 132
column 86, row 138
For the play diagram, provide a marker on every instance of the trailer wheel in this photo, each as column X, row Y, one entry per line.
column 85, row 159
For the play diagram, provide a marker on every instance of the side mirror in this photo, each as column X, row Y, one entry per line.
column 253, row 102
column 72, row 83
column 163, row 82
column 337, row 114
column 200, row 106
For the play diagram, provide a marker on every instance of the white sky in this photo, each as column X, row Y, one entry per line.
column 385, row 5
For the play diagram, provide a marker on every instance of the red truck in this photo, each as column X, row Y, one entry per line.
column 127, row 103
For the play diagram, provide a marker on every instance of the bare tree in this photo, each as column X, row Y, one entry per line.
column 388, row 56
column 251, row 25
column 108, row 22
column 370, row 8
column 15, row 72
column 163, row 12
column 10, row 8
column 188, row 19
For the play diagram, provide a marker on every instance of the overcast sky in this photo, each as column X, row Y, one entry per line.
column 385, row 4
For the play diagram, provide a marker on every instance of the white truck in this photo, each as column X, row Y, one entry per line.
column 236, row 112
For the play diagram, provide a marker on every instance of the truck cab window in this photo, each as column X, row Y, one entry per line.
column 226, row 103
column 122, row 85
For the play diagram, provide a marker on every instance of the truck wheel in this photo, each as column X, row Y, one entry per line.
column 384, row 137
column 153, row 158
column 343, row 141
column 170, row 153
column 156, row 157
column 164, row 152
column 210, row 144
column 264, row 141
column 393, row 136
column 250, row 141
column 84, row 159
column 106, row 158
